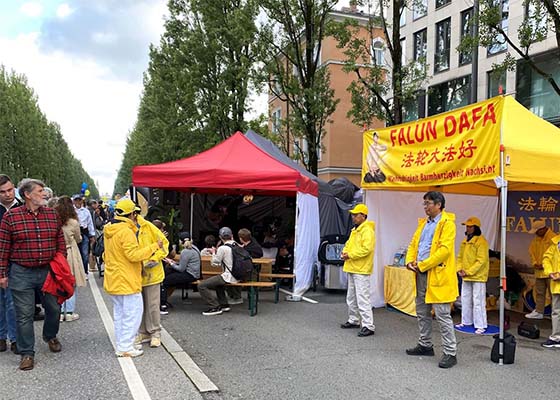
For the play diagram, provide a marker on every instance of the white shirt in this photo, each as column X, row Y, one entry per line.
column 84, row 218
column 224, row 259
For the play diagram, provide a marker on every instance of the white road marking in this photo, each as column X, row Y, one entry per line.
column 195, row 374
column 133, row 379
column 302, row 297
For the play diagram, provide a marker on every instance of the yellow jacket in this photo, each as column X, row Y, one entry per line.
column 360, row 248
column 551, row 263
column 123, row 257
column 148, row 233
column 537, row 248
column 473, row 258
column 443, row 286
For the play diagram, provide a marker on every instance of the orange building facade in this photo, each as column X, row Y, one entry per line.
column 341, row 154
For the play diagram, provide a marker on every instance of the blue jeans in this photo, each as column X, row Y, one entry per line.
column 23, row 281
column 70, row 305
column 84, row 251
column 7, row 316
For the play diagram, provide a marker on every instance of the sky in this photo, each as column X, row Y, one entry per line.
column 84, row 59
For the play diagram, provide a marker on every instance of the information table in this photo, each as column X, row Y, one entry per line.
column 400, row 289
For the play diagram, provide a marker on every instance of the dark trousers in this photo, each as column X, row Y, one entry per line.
column 172, row 279
column 216, row 283
column 23, row 282
column 84, row 251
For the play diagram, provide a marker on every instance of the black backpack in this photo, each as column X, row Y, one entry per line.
column 99, row 246
column 242, row 266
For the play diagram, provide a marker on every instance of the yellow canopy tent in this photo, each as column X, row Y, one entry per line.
column 484, row 148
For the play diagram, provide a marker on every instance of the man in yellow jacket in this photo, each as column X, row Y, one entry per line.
column 551, row 265
column 358, row 264
column 152, row 276
column 541, row 242
column 431, row 255
column 123, row 275
column 473, row 264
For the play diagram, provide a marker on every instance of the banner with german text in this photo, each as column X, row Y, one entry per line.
column 459, row 146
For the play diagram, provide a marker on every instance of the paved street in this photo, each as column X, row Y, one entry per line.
column 288, row 351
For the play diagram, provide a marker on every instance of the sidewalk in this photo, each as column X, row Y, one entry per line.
column 87, row 367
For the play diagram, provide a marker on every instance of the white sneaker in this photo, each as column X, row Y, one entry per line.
column 131, row 353
column 72, row 317
column 534, row 315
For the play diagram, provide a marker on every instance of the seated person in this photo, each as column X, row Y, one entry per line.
column 210, row 246
column 249, row 243
column 187, row 270
column 285, row 260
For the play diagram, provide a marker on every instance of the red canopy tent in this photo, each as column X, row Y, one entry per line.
column 234, row 166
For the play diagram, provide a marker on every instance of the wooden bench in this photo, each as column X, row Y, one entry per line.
column 252, row 293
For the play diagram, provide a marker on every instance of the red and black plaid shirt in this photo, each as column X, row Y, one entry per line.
column 29, row 239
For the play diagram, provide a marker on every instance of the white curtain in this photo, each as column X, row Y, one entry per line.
column 307, row 241
column 396, row 217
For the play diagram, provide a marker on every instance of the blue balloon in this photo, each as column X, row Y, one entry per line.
column 84, row 186
column 82, row 191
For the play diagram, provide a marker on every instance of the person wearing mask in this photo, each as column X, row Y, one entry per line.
column 540, row 243
column 8, row 201
column 473, row 264
column 186, row 271
column 123, row 275
column 152, row 276
column 431, row 256
column 358, row 264
column 72, row 236
column 30, row 238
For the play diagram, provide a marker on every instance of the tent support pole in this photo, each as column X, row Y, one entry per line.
column 191, row 216
column 503, row 209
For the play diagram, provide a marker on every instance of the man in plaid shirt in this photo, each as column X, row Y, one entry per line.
column 30, row 236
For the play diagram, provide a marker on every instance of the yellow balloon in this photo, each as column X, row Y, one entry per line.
column 87, row 192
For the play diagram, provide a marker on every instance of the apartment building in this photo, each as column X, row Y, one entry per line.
column 434, row 31
column 341, row 153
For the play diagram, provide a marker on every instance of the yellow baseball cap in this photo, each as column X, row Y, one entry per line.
column 125, row 207
column 471, row 221
column 359, row 209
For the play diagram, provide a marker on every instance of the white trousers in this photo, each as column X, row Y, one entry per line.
column 358, row 299
column 473, row 304
column 127, row 315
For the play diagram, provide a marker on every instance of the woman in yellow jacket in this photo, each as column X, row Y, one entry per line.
column 551, row 266
column 152, row 276
column 473, row 264
column 123, row 275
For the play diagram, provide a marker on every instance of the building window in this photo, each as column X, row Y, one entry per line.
column 465, row 57
column 276, row 121
column 500, row 44
column 420, row 9
column 535, row 92
column 443, row 45
column 378, row 48
column 495, row 82
column 449, row 95
column 420, row 45
column 403, row 49
column 538, row 17
column 441, row 3
column 305, row 150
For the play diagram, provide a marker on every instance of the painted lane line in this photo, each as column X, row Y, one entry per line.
column 302, row 297
column 193, row 371
column 133, row 379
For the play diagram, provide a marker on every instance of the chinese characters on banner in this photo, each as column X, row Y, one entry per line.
column 526, row 207
column 459, row 146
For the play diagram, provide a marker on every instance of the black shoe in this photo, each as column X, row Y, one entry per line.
column 348, row 325
column 13, row 347
column 420, row 350
column 365, row 332
column 212, row 311
column 225, row 307
column 3, row 346
column 447, row 361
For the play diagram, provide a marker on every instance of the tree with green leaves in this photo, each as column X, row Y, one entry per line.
column 383, row 86
column 196, row 89
column 294, row 33
column 33, row 147
column 541, row 18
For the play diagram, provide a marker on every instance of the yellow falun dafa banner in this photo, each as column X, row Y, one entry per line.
column 459, row 146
